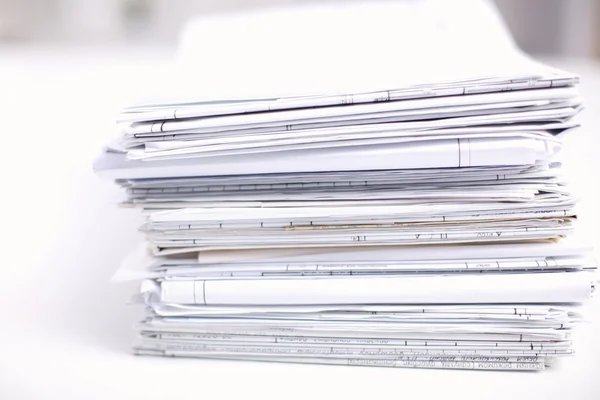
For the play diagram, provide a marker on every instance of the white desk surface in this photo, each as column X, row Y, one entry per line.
column 66, row 328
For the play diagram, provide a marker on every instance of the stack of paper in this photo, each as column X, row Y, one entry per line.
column 398, row 218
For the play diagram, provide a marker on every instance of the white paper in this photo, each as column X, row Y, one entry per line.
column 517, row 288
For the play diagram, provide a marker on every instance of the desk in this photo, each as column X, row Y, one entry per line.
column 66, row 329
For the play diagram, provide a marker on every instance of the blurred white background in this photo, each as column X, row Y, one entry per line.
column 552, row 27
column 66, row 69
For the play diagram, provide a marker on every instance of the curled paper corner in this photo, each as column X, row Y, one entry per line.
column 149, row 293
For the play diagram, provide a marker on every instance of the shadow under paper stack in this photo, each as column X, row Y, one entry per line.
column 408, row 213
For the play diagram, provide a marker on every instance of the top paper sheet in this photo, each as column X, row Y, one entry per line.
column 325, row 50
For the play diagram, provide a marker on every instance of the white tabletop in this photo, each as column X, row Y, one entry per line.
column 66, row 329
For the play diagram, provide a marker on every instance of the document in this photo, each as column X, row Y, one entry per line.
column 364, row 198
column 490, row 288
